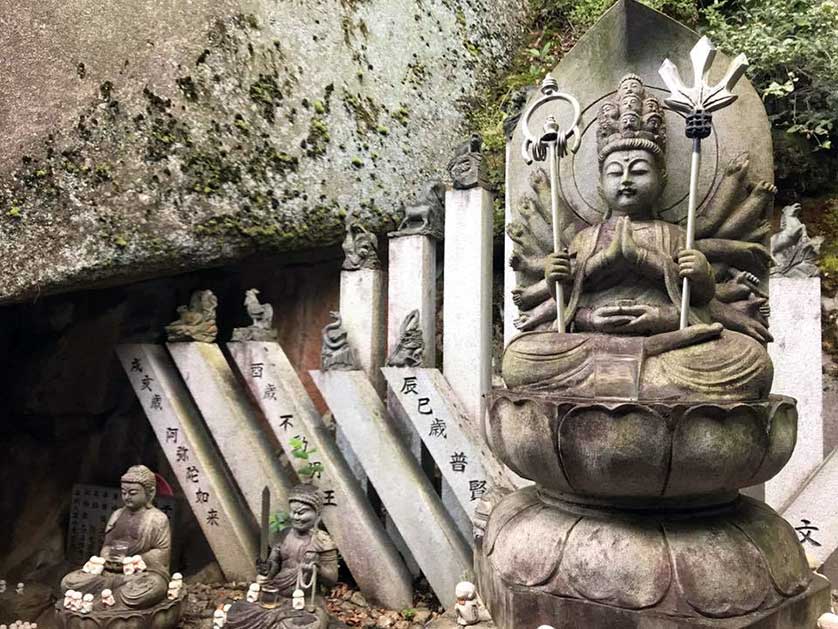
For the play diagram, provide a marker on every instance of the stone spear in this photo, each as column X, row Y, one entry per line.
column 697, row 104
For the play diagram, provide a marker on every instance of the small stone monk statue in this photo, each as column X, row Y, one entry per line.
column 303, row 558
column 137, row 529
column 469, row 608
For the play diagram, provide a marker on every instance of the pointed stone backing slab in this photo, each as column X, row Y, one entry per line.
column 364, row 545
column 633, row 38
column 405, row 491
column 464, row 459
column 233, row 422
column 213, row 498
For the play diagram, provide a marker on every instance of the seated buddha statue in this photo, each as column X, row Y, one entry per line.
column 622, row 281
column 303, row 558
column 138, row 528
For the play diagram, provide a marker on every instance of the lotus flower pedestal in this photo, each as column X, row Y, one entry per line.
column 636, row 518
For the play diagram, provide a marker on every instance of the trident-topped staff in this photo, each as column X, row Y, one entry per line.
column 697, row 103
column 552, row 144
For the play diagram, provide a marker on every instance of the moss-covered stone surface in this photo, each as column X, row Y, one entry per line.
column 152, row 137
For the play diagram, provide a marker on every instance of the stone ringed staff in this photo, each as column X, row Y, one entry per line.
column 553, row 145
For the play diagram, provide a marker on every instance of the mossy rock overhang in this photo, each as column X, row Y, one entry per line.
column 154, row 137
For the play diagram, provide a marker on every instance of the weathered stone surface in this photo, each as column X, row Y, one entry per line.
column 405, row 491
column 814, row 513
column 155, row 136
column 467, row 297
column 464, row 460
column 233, row 422
column 222, row 516
column 795, row 352
column 661, row 568
column 375, row 565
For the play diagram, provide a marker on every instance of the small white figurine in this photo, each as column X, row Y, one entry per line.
column 2, row 589
column 298, row 600
column 107, row 598
column 97, row 565
column 19, row 588
column 139, row 563
column 87, row 604
column 253, row 593
column 175, row 586
column 76, row 601
column 219, row 618
column 828, row 621
column 470, row 610
column 128, row 567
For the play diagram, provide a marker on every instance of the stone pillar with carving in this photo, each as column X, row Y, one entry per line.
column 467, row 276
column 362, row 298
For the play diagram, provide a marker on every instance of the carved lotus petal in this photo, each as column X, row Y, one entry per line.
column 777, row 540
column 504, row 511
column 529, row 548
column 716, row 448
column 705, row 552
column 782, row 438
column 615, row 452
column 617, row 563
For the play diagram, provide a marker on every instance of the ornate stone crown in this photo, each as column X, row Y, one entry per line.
column 631, row 121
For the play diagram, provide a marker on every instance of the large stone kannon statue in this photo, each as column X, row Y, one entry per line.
column 128, row 582
column 637, row 434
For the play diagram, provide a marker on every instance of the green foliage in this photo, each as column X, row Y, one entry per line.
column 279, row 521
column 408, row 613
column 793, row 52
column 581, row 14
column 300, row 450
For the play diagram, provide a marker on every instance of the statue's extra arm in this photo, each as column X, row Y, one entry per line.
column 731, row 191
column 749, row 256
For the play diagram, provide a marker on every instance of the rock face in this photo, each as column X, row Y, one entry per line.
column 152, row 137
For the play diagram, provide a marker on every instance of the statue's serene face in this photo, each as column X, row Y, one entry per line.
column 302, row 516
column 134, row 496
column 630, row 183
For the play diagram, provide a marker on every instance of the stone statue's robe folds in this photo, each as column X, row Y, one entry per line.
column 144, row 532
column 668, row 365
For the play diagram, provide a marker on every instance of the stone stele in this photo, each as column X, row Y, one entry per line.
column 639, row 435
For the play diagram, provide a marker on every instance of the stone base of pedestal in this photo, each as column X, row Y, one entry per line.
column 800, row 612
column 164, row 615
column 549, row 561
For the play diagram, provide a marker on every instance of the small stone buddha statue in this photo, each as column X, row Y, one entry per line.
column 136, row 550
column 303, row 558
